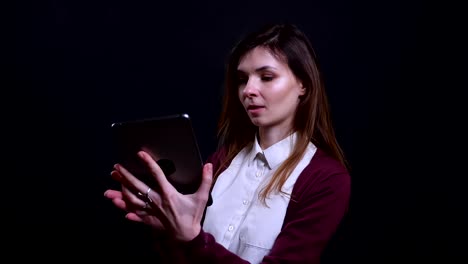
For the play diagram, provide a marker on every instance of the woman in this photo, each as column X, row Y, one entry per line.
column 279, row 180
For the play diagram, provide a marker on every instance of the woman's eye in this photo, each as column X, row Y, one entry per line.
column 241, row 80
column 267, row 78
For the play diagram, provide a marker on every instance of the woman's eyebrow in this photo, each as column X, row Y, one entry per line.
column 265, row 68
column 259, row 69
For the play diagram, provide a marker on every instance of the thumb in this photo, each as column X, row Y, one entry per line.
column 207, row 180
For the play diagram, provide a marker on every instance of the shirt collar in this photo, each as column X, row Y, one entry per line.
column 275, row 154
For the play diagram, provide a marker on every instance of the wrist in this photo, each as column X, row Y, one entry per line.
column 189, row 236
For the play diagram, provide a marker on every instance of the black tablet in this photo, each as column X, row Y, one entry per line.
column 172, row 143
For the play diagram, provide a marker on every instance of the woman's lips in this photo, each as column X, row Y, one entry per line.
column 255, row 109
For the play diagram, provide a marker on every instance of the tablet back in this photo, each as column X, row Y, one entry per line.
column 170, row 140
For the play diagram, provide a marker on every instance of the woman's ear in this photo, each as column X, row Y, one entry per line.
column 302, row 90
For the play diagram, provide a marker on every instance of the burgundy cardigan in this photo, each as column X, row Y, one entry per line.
column 321, row 198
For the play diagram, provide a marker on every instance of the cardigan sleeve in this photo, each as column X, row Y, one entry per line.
column 319, row 202
column 312, row 221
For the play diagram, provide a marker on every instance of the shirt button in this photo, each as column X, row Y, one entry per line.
column 258, row 174
column 231, row 227
column 245, row 202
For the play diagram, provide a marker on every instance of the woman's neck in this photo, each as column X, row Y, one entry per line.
column 268, row 137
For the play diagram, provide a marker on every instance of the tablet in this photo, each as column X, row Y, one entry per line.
column 170, row 140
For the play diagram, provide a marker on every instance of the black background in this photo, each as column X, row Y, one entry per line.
column 390, row 69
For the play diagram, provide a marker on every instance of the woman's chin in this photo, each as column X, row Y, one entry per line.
column 257, row 121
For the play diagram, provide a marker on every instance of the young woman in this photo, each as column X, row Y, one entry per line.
column 279, row 180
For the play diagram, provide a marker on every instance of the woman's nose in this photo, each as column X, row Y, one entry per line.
column 250, row 88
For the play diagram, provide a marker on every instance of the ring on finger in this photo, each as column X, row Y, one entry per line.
column 147, row 195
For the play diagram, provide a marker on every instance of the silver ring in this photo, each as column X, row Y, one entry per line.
column 147, row 195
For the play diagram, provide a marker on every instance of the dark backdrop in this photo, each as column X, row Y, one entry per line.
column 81, row 65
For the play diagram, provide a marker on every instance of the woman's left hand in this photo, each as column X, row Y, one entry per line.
column 178, row 213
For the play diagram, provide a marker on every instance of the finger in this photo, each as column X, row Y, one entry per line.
column 153, row 197
column 130, row 182
column 133, row 217
column 113, row 194
column 115, row 175
column 132, row 198
column 142, row 199
column 117, row 199
column 156, row 171
column 140, row 211
column 121, row 204
column 207, row 179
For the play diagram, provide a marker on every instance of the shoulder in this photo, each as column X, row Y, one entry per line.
column 323, row 173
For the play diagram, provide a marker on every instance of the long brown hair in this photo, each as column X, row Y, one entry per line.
column 312, row 121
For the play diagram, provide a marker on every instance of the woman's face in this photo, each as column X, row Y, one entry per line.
column 268, row 90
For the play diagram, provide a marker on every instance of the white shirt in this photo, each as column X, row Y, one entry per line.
column 237, row 219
